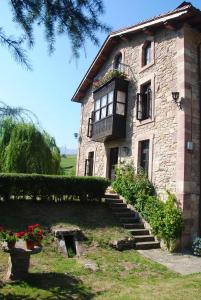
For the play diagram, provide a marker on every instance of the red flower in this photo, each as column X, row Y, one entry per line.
column 20, row 234
column 1, row 228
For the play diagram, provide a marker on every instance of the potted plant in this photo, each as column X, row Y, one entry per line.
column 38, row 233
column 33, row 236
column 9, row 237
column 109, row 75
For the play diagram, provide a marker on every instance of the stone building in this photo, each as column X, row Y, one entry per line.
column 151, row 116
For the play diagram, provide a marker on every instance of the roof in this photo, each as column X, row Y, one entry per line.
column 185, row 12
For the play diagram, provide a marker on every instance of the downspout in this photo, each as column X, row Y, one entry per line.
column 199, row 85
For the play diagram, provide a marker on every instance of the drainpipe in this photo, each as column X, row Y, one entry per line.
column 199, row 84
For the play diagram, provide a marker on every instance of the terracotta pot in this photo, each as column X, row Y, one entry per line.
column 30, row 245
column 11, row 245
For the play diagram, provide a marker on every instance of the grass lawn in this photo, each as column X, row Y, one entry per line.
column 120, row 275
column 68, row 164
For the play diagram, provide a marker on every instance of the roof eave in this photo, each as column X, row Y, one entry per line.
column 113, row 35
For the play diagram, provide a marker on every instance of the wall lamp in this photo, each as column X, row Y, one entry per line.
column 175, row 97
column 77, row 137
column 126, row 150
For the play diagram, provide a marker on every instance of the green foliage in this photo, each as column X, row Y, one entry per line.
column 78, row 20
column 24, row 149
column 51, row 188
column 109, row 75
column 130, row 184
column 68, row 165
column 197, row 246
column 165, row 218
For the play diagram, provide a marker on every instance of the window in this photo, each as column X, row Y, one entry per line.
column 121, row 103
column 144, row 102
column 144, row 155
column 118, row 62
column 103, row 106
column 89, row 164
column 90, row 125
column 147, row 53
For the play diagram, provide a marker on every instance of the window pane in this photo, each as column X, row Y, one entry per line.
column 97, row 104
column 144, row 155
column 97, row 113
column 120, row 109
column 104, row 101
column 110, row 97
column 121, row 97
column 147, row 54
column 103, row 112
column 110, row 109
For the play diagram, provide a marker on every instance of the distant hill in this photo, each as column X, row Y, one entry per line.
column 65, row 150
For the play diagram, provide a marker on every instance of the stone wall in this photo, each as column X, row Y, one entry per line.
column 163, row 74
column 189, row 171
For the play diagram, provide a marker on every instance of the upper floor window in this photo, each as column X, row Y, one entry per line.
column 103, row 106
column 146, row 53
column 144, row 102
column 118, row 62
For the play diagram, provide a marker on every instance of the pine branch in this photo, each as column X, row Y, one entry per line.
column 14, row 46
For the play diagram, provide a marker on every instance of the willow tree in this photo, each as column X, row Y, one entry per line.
column 29, row 152
column 76, row 19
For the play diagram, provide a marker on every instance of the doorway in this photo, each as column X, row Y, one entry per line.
column 113, row 161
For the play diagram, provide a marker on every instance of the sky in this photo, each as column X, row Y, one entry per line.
column 48, row 89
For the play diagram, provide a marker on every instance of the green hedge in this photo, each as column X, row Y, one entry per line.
column 50, row 187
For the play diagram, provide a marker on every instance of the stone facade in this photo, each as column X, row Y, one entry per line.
column 174, row 67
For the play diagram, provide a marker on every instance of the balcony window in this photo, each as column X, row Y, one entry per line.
column 104, row 106
column 109, row 117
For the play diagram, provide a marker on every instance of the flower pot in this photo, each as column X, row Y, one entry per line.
column 30, row 245
column 38, row 241
column 11, row 245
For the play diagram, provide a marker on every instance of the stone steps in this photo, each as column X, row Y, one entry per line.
column 144, row 238
column 134, row 225
column 118, row 205
column 130, row 220
column 113, row 201
column 139, row 231
column 147, row 245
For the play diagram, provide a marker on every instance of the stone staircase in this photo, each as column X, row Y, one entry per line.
column 131, row 221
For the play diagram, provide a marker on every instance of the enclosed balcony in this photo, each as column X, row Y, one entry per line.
column 108, row 120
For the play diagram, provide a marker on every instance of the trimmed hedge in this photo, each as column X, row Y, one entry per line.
column 51, row 187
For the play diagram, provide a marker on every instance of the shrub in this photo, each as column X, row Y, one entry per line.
column 165, row 218
column 130, row 184
column 197, row 246
column 51, row 187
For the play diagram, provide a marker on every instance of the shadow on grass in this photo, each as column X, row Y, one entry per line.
column 15, row 215
column 61, row 286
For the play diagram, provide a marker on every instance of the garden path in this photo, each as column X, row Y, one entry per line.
column 182, row 263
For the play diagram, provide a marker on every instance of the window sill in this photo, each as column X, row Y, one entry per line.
column 146, row 67
column 144, row 122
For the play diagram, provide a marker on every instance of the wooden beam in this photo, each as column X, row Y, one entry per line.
column 169, row 26
column 148, row 31
column 124, row 38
